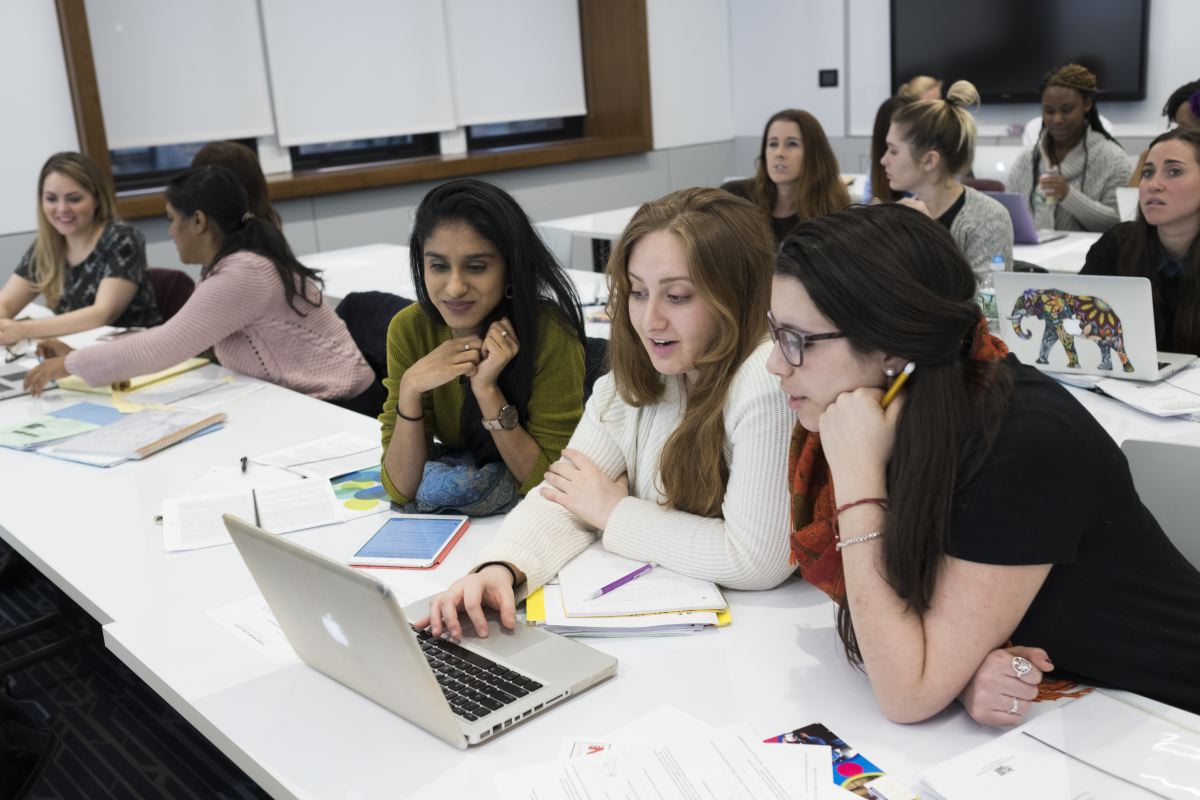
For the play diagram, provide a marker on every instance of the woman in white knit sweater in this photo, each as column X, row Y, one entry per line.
column 679, row 456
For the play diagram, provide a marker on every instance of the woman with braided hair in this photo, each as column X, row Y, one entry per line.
column 1071, row 175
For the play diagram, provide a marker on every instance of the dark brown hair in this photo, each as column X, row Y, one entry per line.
column 854, row 265
column 820, row 189
column 242, row 162
column 880, row 189
column 1141, row 251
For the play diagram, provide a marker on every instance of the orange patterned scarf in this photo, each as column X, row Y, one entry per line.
column 814, row 541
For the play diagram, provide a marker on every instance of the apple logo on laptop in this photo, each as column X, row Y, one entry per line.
column 334, row 630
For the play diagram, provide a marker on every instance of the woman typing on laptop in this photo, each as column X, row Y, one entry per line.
column 983, row 505
column 259, row 308
column 1071, row 175
column 678, row 457
column 1161, row 244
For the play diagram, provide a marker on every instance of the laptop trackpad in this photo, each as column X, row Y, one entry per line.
column 500, row 641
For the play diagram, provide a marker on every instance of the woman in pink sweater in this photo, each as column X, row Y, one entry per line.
column 257, row 306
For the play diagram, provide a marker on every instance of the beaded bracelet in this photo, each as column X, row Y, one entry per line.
column 866, row 537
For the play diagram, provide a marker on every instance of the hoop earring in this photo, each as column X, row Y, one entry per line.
column 508, row 292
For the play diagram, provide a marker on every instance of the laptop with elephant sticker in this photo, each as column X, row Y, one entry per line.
column 1084, row 325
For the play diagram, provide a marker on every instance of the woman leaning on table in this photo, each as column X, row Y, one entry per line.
column 796, row 174
column 88, row 266
column 1163, row 243
column 1070, row 177
column 678, row 457
column 934, row 523
column 259, row 308
column 489, row 360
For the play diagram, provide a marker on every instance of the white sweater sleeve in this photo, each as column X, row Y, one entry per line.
column 539, row 536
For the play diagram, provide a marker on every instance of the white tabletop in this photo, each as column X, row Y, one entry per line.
column 1061, row 255
column 778, row 666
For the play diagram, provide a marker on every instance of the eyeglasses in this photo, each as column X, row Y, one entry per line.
column 792, row 343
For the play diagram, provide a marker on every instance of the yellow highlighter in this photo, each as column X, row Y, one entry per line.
column 894, row 389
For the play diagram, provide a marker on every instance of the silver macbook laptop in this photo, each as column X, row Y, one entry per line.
column 348, row 625
column 12, row 378
column 1024, row 231
column 1083, row 324
column 1164, row 474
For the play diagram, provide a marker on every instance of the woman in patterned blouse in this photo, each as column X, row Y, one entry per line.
column 88, row 266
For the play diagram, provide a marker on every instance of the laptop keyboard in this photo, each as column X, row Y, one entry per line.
column 474, row 685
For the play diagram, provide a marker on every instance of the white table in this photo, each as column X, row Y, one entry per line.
column 1064, row 255
column 570, row 238
column 300, row 734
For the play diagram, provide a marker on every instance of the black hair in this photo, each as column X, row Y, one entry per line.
column 854, row 265
column 1079, row 79
column 535, row 282
column 219, row 194
column 1184, row 94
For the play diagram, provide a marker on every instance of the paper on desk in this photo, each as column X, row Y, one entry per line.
column 327, row 457
column 658, row 590
column 195, row 521
column 42, row 429
column 660, row 725
column 172, row 390
column 1174, row 396
column 726, row 764
column 220, row 395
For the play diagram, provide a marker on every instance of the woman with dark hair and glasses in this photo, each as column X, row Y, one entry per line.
column 259, row 308
column 489, row 360
column 934, row 523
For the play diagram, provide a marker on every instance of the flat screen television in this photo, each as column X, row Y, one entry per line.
column 1006, row 47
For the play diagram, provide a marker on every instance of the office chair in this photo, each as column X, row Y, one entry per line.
column 172, row 288
column 367, row 316
column 1025, row 266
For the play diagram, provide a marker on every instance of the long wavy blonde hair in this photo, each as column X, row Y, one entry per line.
column 50, row 248
column 730, row 255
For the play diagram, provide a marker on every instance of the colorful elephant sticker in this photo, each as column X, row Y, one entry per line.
column 1066, row 316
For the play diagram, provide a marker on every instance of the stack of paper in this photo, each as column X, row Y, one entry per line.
column 57, row 426
column 327, row 457
column 133, row 436
column 659, row 602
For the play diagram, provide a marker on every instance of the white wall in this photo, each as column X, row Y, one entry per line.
column 778, row 46
column 690, row 93
column 35, row 104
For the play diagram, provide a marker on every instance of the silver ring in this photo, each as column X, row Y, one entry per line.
column 1015, row 707
column 1021, row 666
column 503, row 332
column 466, row 347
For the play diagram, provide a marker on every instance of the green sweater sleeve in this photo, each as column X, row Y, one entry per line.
column 556, row 402
column 411, row 336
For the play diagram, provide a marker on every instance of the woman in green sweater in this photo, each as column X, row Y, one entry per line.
column 489, row 360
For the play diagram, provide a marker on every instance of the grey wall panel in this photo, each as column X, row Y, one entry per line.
column 700, row 165
column 12, row 247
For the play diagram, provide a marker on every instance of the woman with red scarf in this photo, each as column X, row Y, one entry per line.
column 984, row 505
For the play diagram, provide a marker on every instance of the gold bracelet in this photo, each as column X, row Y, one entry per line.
column 866, row 537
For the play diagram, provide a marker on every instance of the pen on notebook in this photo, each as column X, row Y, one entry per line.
column 621, row 581
column 890, row 395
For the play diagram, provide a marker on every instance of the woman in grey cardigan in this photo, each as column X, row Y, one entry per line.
column 1070, row 177
column 929, row 144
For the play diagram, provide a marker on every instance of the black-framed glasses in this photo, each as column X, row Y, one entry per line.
column 792, row 343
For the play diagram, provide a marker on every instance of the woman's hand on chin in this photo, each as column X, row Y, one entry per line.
column 857, row 437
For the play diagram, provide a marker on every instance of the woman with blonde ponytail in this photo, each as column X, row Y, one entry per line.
column 89, row 267
column 929, row 145
column 679, row 455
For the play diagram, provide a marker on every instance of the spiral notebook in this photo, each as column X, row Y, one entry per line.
column 134, row 436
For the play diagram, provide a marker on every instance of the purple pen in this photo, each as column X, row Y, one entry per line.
column 621, row 581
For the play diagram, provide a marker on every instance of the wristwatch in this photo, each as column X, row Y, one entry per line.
column 505, row 422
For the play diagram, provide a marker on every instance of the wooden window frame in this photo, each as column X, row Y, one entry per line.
column 616, row 69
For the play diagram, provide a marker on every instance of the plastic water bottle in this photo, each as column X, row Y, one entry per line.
column 986, row 294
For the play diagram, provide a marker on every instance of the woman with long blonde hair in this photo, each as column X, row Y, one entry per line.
column 678, row 456
column 88, row 266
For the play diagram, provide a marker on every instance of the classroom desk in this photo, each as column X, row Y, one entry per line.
column 570, row 238
column 302, row 735
column 1064, row 255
